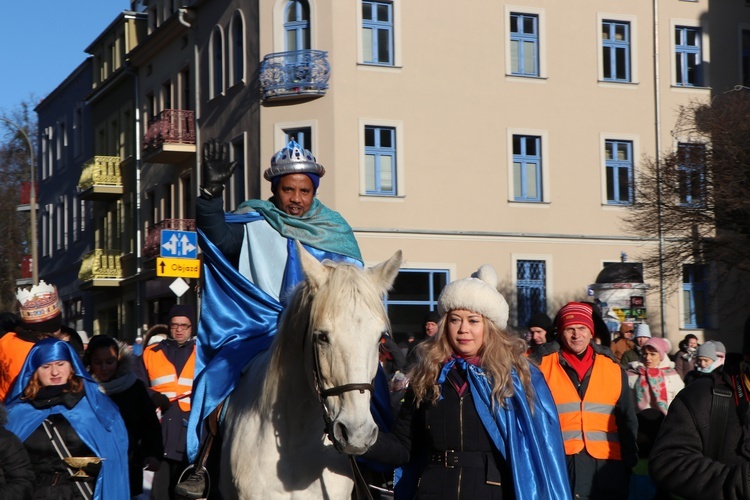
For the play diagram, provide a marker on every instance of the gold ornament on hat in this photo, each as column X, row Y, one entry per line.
column 38, row 304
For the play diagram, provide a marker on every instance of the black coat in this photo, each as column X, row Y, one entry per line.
column 52, row 475
column 677, row 463
column 144, row 431
column 16, row 474
column 423, row 434
column 173, row 420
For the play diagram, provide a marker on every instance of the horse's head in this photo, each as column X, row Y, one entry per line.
column 347, row 321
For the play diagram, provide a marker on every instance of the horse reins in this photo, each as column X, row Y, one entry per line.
column 361, row 487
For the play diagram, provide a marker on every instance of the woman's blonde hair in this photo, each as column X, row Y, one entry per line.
column 500, row 354
column 75, row 385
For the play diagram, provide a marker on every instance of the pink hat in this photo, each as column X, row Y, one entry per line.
column 661, row 345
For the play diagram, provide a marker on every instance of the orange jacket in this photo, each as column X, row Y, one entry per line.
column 163, row 377
column 588, row 423
column 13, row 352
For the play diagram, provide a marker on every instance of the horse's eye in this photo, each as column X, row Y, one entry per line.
column 321, row 337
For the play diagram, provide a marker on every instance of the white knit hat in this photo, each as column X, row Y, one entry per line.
column 478, row 294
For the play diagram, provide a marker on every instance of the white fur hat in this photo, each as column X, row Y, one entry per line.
column 477, row 294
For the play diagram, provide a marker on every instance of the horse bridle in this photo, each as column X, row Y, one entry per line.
column 338, row 390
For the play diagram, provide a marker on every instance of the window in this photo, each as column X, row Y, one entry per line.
column 236, row 185
column 415, row 292
column 217, row 63
column 527, row 168
column 691, row 174
column 531, row 289
column 524, row 44
column 380, row 160
column 746, row 58
column 694, row 296
column 616, row 51
column 297, row 25
column 303, row 136
column 238, row 49
column 687, row 46
column 377, row 32
column 619, row 166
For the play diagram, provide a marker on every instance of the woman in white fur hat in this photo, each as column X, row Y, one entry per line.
column 478, row 418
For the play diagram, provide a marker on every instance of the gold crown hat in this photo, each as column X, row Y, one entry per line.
column 38, row 304
column 293, row 159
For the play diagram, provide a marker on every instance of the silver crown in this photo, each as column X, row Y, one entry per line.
column 293, row 159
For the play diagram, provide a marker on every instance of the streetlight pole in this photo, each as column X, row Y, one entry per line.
column 32, row 202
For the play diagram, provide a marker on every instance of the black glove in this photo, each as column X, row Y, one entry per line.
column 217, row 168
column 160, row 401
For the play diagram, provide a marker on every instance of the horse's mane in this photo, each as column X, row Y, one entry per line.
column 305, row 307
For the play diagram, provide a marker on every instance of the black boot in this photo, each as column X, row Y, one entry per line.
column 194, row 486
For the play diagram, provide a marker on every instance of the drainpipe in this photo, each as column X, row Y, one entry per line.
column 138, row 218
column 657, row 127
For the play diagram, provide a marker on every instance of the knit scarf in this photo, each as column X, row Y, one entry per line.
column 651, row 388
column 581, row 364
column 118, row 385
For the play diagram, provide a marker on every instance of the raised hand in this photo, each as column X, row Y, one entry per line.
column 217, row 169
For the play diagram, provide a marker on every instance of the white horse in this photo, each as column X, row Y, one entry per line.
column 323, row 361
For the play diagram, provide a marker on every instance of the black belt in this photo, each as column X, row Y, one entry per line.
column 451, row 459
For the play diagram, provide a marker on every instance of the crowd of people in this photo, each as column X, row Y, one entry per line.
column 479, row 412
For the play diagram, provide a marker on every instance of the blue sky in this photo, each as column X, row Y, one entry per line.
column 43, row 41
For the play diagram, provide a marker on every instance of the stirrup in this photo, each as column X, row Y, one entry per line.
column 189, row 471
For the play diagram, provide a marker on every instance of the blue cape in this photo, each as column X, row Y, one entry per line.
column 531, row 443
column 95, row 418
column 238, row 320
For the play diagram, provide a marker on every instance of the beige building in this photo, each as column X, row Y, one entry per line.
column 486, row 132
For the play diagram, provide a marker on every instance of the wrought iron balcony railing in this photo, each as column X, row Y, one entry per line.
column 294, row 73
column 171, row 126
column 100, row 264
column 152, row 246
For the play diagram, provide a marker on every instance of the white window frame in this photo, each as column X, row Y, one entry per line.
column 397, row 39
column 398, row 125
column 546, row 163
column 213, row 92
column 542, row 27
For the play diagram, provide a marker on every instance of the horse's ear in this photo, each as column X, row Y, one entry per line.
column 386, row 272
column 315, row 271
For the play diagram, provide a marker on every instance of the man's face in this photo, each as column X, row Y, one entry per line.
column 538, row 335
column 180, row 329
column 626, row 330
column 576, row 338
column 641, row 340
column 430, row 328
column 294, row 194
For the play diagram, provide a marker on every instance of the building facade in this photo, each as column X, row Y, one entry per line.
column 505, row 133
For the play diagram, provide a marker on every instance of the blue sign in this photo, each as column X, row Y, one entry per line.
column 179, row 244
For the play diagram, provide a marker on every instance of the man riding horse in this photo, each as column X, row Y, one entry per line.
column 251, row 263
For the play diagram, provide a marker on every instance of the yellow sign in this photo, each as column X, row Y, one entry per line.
column 178, row 268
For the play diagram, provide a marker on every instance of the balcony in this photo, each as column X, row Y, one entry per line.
column 152, row 246
column 100, row 268
column 170, row 137
column 101, row 179
column 295, row 74
column 24, row 201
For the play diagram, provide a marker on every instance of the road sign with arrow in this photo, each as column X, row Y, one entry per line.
column 178, row 268
column 179, row 244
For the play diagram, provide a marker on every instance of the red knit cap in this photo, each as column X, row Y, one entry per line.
column 575, row 313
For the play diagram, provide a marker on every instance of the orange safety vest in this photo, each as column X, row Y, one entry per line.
column 13, row 353
column 588, row 423
column 163, row 377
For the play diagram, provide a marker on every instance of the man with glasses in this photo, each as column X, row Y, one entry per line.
column 167, row 369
